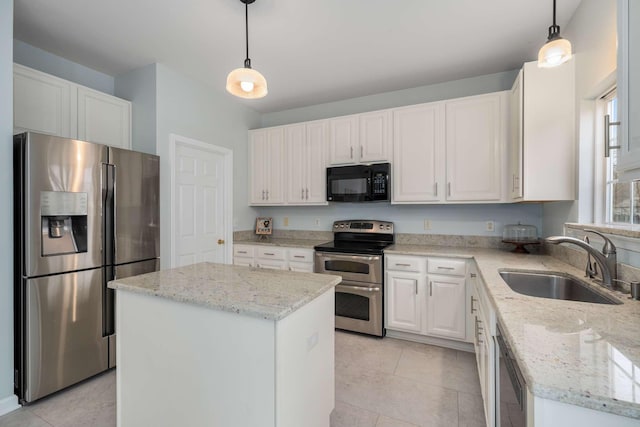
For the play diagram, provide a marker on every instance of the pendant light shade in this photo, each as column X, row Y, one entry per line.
column 556, row 50
column 246, row 82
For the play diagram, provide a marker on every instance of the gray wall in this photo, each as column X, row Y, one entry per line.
column 445, row 219
column 436, row 92
column 595, row 56
column 6, row 203
column 139, row 87
column 189, row 108
column 41, row 60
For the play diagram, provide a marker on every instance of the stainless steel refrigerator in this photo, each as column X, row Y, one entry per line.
column 84, row 214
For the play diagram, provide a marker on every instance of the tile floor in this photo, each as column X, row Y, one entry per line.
column 379, row 383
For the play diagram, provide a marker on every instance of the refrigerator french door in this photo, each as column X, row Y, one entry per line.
column 75, row 212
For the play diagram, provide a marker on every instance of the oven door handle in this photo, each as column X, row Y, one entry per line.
column 332, row 255
column 348, row 288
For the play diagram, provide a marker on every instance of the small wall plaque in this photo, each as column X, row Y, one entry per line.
column 264, row 226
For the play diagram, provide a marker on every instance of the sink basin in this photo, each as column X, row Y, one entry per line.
column 554, row 285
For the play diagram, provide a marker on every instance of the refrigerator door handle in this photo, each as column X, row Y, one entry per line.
column 108, row 302
column 108, row 213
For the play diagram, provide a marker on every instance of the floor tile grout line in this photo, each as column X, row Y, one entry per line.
column 46, row 421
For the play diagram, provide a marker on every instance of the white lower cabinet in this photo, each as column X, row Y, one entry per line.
column 404, row 297
column 484, row 322
column 273, row 257
column 420, row 302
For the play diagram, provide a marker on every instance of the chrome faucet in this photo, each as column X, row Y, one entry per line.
column 609, row 252
column 608, row 274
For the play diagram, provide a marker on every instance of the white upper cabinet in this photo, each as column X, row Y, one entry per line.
column 360, row 138
column 306, row 147
column 451, row 151
column 103, row 119
column 48, row 104
column 629, row 88
column 475, row 138
column 544, row 134
column 43, row 103
column 266, row 153
column 375, row 137
column 418, row 145
column 514, row 181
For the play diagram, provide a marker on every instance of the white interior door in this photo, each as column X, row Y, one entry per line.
column 201, row 203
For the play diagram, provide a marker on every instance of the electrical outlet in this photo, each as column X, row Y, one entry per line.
column 285, row 221
column 316, row 222
column 490, row 226
column 427, row 225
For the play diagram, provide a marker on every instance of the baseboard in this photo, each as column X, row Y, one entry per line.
column 8, row 404
column 441, row 342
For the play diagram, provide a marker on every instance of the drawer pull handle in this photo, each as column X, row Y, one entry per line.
column 402, row 265
column 473, row 310
column 242, row 252
column 269, row 253
column 472, row 275
column 445, row 268
column 299, row 256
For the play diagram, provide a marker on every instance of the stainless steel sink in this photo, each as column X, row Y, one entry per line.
column 554, row 285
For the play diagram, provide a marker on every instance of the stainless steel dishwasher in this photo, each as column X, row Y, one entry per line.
column 511, row 388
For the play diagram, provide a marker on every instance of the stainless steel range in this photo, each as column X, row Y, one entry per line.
column 356, row 254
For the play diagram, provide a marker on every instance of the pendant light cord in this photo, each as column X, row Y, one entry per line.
column 554, row 18
column 247, row 61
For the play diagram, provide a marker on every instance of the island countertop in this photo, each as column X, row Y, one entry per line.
column 250, row 291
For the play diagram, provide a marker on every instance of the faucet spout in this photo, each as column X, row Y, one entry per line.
column 607, row 279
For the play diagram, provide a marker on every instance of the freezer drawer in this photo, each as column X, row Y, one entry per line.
column 63, row 325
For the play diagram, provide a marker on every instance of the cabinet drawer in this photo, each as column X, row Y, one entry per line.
column 300, row 255
column 306, row 267
column 242, row 251
column 271, row 252
column 405, row 263
column 451, row 267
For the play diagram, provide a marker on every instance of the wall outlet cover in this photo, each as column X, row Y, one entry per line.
column 490, row 226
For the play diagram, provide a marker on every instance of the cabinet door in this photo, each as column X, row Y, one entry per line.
column 103, row 119
column 474, row 142
column 296, row 144
column 303, row 267
column 343, row 140
column 629, row 87
column 257, row 164
column 418, row 152
column 274, row 168
column 446, row 307
column 515, row 139
column 404, row 296
column 43, row 103
column 316, row 158
column 375, row 137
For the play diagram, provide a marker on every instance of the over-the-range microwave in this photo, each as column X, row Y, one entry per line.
column 359, row 183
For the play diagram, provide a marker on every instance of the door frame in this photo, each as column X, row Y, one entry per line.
column 174, row 142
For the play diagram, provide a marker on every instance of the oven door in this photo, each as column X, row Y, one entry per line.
column 359, row 307
column 358, row 268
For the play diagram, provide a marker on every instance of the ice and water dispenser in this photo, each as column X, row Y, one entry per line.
column 64, row 222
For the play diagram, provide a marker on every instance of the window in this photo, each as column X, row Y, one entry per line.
column 622, row 199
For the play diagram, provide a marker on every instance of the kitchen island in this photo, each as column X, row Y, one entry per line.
column 222, row 345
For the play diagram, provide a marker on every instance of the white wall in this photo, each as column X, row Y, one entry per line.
column 445, row 219
column 189, row 108
column 7, row 398
column 592, row 32
column 139, row 87
column 31, row 56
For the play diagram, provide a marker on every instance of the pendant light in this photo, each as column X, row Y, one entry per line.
column 246, row 82
column 556, row 50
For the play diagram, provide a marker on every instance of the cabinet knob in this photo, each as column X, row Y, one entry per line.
column 221, row 242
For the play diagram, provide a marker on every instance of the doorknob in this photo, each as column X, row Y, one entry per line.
column 221, row 241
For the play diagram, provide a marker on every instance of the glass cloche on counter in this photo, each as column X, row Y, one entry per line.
column 520, row 235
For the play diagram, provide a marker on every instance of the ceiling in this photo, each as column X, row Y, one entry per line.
column 310, row 52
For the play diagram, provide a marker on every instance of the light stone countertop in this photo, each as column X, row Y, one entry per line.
column 573, row 352
column 250, row 291
column 274, row 241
